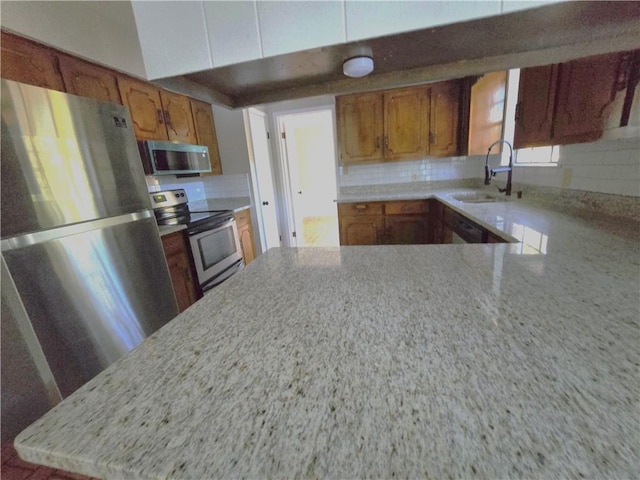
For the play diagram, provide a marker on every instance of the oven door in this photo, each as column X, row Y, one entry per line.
column 215, row 251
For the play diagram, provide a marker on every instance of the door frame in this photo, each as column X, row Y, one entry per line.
column 283, row 184
column 259, row 216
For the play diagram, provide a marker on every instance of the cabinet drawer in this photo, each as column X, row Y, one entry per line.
column 173, row 243
column 412, row 206
column 364, row 208
column 243, row 217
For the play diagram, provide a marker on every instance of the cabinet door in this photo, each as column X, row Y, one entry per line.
column 206, row 133
column 246, row 242
column 487, row 112
column 143, row 100
column 535, row 108
column 27, row 62
column 178, row 117
column 360, row 127
column 180, row 270
column 361, row 230
column 586, row 92
column 245, row 234
column 406, row 229
column 88, row 80
column 445, row 110
column 406, row 123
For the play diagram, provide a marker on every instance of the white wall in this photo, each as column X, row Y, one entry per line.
column 232, row 140
column 103, row 32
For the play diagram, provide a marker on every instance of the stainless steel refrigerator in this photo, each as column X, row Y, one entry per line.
column 84, row 275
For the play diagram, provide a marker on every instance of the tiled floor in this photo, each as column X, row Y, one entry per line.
column 320, row 231
column 15, row 469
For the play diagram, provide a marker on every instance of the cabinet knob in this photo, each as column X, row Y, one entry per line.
column 160, row 117
column 167, row 117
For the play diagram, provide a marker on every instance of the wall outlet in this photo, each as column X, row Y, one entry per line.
column 567, row 174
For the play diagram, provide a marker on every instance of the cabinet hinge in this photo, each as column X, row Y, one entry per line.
column 268, row 136
column 283, row 134
column 280, row 238
column 294, row 234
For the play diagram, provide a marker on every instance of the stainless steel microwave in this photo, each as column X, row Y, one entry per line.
column 168, row 158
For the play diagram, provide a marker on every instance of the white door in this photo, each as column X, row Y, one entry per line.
column 262, row 178
column 308, row 149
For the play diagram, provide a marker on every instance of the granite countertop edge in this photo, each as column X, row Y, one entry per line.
column 532, row 351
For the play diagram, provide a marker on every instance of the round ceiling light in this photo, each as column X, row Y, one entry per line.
column 358, row 67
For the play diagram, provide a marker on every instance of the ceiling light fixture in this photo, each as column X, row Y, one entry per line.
column 357, row 67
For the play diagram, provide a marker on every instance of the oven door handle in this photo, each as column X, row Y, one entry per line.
column 224, row 222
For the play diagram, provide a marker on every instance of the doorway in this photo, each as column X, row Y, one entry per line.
column 309, row 161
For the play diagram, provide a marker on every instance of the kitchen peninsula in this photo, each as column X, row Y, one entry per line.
column 423, row 361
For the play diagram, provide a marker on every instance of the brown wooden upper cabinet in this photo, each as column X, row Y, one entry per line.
column 157, row 114
column 586, row 91
column 178, row 117
column 399, row 124
column 89, row 80
column 444, row 128
column 28, row 62
column 568, row 102
column 486, row 112
column 535, row 107
column 406, row 123
column 143, row 100
column 206, row 133
column 360, row 127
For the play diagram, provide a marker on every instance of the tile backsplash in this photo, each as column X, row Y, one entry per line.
column 199, row 188
column 425, row 170
column 605, row 166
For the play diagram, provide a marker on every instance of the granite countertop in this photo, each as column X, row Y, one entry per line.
column 421, row 361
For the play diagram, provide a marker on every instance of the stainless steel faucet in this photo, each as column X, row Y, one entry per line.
column 491, row 172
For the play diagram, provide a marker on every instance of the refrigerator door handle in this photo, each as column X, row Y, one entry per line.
column 35, row 238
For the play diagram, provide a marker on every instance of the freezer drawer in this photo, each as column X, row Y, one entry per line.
column 94, row 295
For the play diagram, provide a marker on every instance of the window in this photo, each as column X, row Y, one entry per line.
column 537, row 156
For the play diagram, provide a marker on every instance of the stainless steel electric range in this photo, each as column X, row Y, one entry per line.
column 213, row 236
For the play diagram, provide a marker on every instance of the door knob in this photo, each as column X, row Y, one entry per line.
column 299, row 192
column 265, row 203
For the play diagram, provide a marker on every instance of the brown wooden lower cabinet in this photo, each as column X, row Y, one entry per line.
column 410, row 222
column 406, row 229
column 362, row 230
column 245, row 234
column 383, row 223
column 181, row 269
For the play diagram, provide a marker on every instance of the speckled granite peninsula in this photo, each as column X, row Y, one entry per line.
column 448, row 361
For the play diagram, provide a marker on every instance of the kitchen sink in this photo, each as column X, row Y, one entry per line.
column 478, row 198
